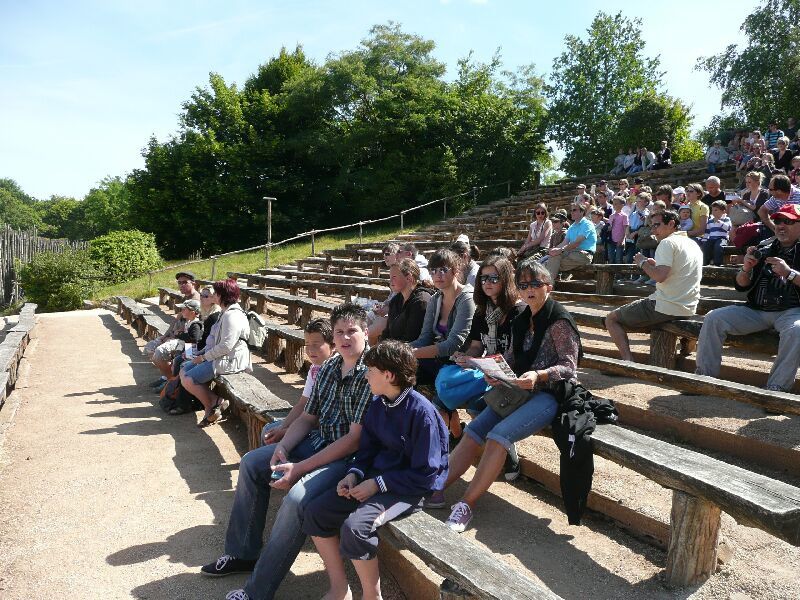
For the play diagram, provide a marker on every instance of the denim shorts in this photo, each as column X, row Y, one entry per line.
column 202, row 373
column 536, row 414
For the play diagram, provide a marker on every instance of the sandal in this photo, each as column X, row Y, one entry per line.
column 210, row 418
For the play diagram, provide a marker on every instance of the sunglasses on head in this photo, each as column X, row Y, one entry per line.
column 524, row 285
column 490, row 278
column 441, row 270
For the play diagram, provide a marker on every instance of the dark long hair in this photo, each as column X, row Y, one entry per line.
column 508, row 294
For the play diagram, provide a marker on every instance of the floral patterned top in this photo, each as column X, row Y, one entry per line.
column 558, row 354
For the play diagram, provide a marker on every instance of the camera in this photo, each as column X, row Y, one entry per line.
column 758, row 254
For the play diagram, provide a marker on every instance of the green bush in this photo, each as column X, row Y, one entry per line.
column 123, row 255
column 59, row 281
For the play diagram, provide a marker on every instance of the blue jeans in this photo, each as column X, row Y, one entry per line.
column 712, row 251
column 536, row 414
column 614, row 253
column 248, row 516
column 200, row 374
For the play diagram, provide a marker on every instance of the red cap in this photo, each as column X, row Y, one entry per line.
column 788, row 211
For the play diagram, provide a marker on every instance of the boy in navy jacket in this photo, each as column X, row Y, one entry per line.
column 402, row 457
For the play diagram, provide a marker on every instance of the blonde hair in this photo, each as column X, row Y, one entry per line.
column 205, row 312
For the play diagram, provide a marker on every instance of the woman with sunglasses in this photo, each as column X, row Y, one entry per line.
column 539, row 236
column 448, row 317
column 544, row 350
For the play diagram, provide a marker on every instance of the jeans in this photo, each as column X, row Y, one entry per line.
column 536, row 414
column 635, row 169
column 712, row 251
column 630, row 252
column 614, row 253
column 741, row 320
column 248, row 516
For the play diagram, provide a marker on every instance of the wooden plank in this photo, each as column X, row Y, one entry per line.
column 476, row 570
column 776, row 402
column 613, row 300
column 750, row 498
column 248, row 392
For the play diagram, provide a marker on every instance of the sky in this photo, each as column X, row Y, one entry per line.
column 85, row 84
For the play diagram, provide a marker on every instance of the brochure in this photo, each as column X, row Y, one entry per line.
column 494, row 366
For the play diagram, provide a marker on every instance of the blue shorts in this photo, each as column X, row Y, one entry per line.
column 536, row 414
column 202, row 373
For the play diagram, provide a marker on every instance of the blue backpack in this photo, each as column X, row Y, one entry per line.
column 456, row 386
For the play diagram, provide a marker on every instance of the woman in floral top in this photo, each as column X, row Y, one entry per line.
column 545, row 348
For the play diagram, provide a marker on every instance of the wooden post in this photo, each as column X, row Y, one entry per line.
column 692, row 554
column 313, row 243
column 402, row 213
column 269, row 228
column 273, row 348
column 444, row 209
column 605, row 282
column 291, row 313
column 213, row 268
column 294, row 356
column 663, row 348
column 305, row 316
column 360, row 232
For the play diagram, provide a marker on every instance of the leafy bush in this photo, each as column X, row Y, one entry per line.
column 122, row 255
column 59, row 281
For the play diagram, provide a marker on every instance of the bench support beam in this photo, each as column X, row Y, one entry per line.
column 692, row 555
column 663, row 348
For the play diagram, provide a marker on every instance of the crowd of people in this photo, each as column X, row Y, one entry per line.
column 775, row 151
column 376, row 432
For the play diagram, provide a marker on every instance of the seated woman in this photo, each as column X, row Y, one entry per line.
column 228, row 354
column 545, row 345
column 539, row 235
column 209, row 314
column 407, row 306
column 448, row 317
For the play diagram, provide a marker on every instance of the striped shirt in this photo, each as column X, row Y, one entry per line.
column 338, row 401
column 718, row 229
column 773, row 204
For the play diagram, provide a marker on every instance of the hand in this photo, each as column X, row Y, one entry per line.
column 460, row 359
column 364, row 490
column 779, row 266
column 555, row 251
column 291, row 473
column 273, row 436
column 381, row 310
column 278, row 456
column 749, row 261
column 197, row 360
column 527, row 380
column 346, row 484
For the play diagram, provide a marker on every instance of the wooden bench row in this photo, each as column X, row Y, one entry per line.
column 12, row 349
column 148, row 325
column 313, row 287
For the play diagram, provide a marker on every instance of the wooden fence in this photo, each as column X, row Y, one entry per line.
column 22, row 246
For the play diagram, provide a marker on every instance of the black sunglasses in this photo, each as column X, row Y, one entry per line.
column 780, row 221
column 490, row 278
column 540, row 212
column 524, row 285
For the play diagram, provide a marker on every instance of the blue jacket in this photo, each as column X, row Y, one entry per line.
column 404, row 445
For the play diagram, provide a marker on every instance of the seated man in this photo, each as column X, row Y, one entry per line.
column 781, row 192
column 716, row 156
column 677, row 269
column 770, row 278
column 577, row 249
column 312, row 457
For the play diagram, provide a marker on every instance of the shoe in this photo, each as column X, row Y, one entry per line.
column 237, row 595
column 158, row 382
column 436, row 500
column 511, row 467
column 211, row 418
column 228, row 565
column 157, row 389
column 773, row 388
column 650, row 282
column 565, row 276
column 460, row 517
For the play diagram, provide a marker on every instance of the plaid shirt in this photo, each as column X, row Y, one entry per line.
column 338, row 401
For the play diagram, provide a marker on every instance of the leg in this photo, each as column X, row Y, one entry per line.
column 708, row 251
column 196, row 381
column 370, row 577
column 718, row 258
column 784, row 370
column 328, row 549
column 618, row 335
column 736, row 320
column 463, row 456
column 574, row 260
column 494, row 456
column 553, row 265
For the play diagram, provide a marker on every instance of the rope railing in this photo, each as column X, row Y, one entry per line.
column 314, row 232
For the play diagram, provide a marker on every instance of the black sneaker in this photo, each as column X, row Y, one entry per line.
column 158, row 382
column 511, row 467
column 228, row 565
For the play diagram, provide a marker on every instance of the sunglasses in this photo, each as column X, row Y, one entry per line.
column 441, row 270
column 183, row 281
column 387, row 253
column 490, row 278
column 780, row 221
column 205, row 295
column 524, row 285
column 540, row 212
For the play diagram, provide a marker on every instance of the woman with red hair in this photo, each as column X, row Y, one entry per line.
column 226, row 352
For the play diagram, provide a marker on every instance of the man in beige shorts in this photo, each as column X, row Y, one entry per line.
column 677, row 269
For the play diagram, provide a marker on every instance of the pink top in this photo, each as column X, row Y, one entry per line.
column 618, row 222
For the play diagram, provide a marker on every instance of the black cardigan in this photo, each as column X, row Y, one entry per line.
column 405, row 319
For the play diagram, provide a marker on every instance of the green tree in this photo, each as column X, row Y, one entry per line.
column 599, row 77
column 62, row 217
column 760, row 81
column 106, row 208
column 17, row 208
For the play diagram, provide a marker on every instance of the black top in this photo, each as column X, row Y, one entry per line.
column 768, row 292
column 551, row 312
column 193, row 334
column 207, row 325
column 480, row 328
column 784, row 162
column 405, row 318
column 763, row 196
column 708, row 198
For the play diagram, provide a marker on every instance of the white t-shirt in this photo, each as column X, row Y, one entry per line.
column 310, row 379
column 679, row 294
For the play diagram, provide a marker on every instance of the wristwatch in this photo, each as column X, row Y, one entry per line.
column 792, row 274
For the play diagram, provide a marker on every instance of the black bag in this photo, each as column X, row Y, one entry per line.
column 505, row 399
column 175, row 400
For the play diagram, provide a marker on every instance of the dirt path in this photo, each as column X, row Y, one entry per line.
column 101, row 494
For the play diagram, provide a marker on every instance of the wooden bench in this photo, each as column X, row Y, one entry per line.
column 775, row 402
column 476, row 572
column 605, row 275
column 613, row 300
column 291, row 341
column 150, row 326
column 12, row 349
column 130, row 310
column 169, row 297
column 329, row 277
column 702, row 486
column 329, row 263
column 306, row 306
column 331, row 288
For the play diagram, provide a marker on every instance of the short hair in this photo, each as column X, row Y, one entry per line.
column 670, row 216
column 784, row 140
column 689, row 208
column 664, row 190
column 397, row 358
column 408, row 266
column 596, row 211
column 781, row 183
column 625, row 181
column 321, row 326
column 444, row 257
column 349, row 311
column 536, row 270
column 392, row 247
column 720, row 204
column 409, row 247
column 508, row 294
column 713, row 179
column 696, row 188
column 660, row 204
column 646, row 188
column 580, row 207
column 618, row 200
column 644, row 196
column 543, row 206
column 755, row 175
column 227, row 290
column 461, row 248
column 505, row 252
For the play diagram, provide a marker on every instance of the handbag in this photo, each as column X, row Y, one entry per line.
column 456, row 387
column 740, row 214
column 645, row 240
column 504, row 399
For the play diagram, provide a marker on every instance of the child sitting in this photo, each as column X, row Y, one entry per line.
column 319, row 346
column 719, row 225
column 402, row 458
column 685, row 213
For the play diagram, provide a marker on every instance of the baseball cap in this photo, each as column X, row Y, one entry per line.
column 580, row 186
column 190, row 304
column 678, row 190
column 788, row 211
column 602, row 182
column 188, row 274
